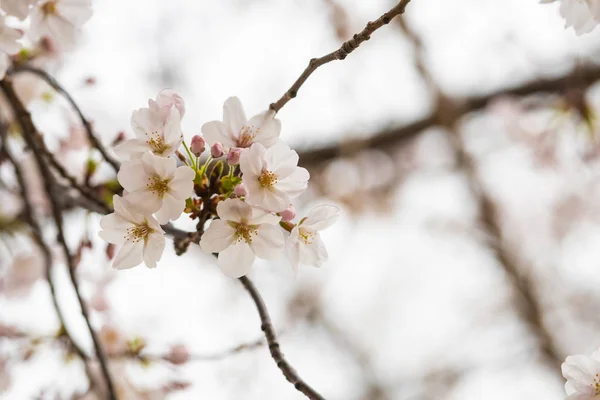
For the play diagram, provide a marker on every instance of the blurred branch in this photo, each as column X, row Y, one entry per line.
column 94, row 141
column 340, row 54
column 447, row 115
column 578, row 79
column 267, row 327
column 29, row 132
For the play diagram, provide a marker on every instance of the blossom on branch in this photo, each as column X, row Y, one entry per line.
column 237, row 131
column 582, row 373
column 242, row 233
column 60, row 19
column 156, row 185
column 304, row 245
column 272, row 176
column 141, row 236
column 154, row 132
column 582, row 15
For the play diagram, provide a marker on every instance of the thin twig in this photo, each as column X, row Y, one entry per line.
column 95, row 142
column 267, row 327
column 29, row 132
column 341, row 53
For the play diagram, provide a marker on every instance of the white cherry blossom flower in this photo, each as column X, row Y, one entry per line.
column 582, row 15
column 165, row 100
column 17, row 8
column 272, row 176
column 8, row 44
column 59, row 19
column 582, row 373
column 162, row 136
column 237, row 131
column 141, row 236
column 241, row 234
column 156, row 185
column 304, row 245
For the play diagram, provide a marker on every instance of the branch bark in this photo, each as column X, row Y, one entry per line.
column 340, row 54
column 267, row 327
column 29, row 132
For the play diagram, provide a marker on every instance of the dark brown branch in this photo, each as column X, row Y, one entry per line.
column 578, row 79
column 267, row 327
column 341, row 53
column 528, row 303
column 29, row 135
column 95, row 142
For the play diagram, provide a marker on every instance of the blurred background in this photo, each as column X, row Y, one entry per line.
column 461, row 144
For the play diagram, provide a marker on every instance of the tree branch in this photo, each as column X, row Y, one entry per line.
column 29, row 132
column 577, row 79
column 267, row 327
column 340, row 54
column 94, row 141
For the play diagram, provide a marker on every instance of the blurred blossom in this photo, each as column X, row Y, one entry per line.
column 581, row 15
column 582, row 373
column 59, row 19
column 26, row 269
column 5, row 376
column 112, row 339
column 98, row 301
column 341, row 178
column 178, row 355
column 376, row 169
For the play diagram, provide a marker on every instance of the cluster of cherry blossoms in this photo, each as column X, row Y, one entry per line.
column 582, row 15
column 582, row 373
column 58, row 20
column 243, row 191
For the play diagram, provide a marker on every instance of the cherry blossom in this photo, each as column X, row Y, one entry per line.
column 8, row 44
column 582, row 15
column 304, row 245
column 241, row 234
column 237, row 131
column 156, row 185
column 272, row 176
column 154, row 132
column 165, row 100
column 59, row 19
column 582, row 373
column 141, row 236
column 17, row 8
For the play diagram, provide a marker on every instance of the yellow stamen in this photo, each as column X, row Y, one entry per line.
column 138, row 233
column 49, row 8
column 244, row 232
column 267, row 179
column 158, row 186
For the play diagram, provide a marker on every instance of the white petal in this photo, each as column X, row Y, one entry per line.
column 171, row 209
column 251, row 161
column 314, row 254
column 321, row 217
column 269, row 242
column 263, row 217
column 76, row 12
column 61, row 30
column 234, row 210
column 153, row 249
column 159, row 166
column 129, row 256
column 144, row 201
column 132, row 175
column 172, row 132
column 270, row 128
column 217, row 237
column 125, row 211
column 295, row 184
column 144, row 122
column 217, row 131
column 4, row 63
column 236, row 260
column 182, row 185
column 282, row 160
column 233, row 114
column 131, row 148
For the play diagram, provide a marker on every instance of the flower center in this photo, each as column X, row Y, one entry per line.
column 137, row 233
column 267, row 179
column 156, row 142
column 306, row 236
column 596, row 384
column 49, row 8
column 246, row 137
column 158, row 186
column 244, row 232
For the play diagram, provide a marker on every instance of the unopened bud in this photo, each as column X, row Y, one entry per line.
column 178, row 355
column 216, row 150
column 289, row 214
column 233, row 157
column 198, row 145
column 168, row 98
column 240, row 190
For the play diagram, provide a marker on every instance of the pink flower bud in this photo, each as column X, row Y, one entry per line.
column 216, row 150
column 233, row 157
column 198, row 145
column 178, row 355
column 289, row 214
column 240, row 190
